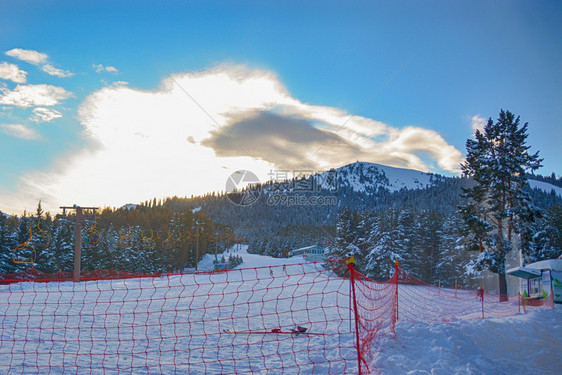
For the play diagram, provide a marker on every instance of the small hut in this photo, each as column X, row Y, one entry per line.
column 540, row 279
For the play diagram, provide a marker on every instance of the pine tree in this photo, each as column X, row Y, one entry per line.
column 346, row 238
column 429, row 246
column 408, row 241
column 7, row 244
column 450, row 265
column 497, row 205
column 382, row 252
column 543, row 239
column 63, row 243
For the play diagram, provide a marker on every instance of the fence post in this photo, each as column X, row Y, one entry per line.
column 77, row 244
column 456, row 286
column 481, row 295
column 395, row 293
column 350, row 261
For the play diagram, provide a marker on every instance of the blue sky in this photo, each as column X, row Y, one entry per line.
column 110, row 102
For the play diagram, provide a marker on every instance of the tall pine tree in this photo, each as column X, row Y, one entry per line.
column 497, row 205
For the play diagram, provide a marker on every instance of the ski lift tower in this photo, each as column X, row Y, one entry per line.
column 77, row 235
column 198, row 227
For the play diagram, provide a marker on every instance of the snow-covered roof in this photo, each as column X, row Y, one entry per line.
column 533, row 270
column 307, row 247
column 524, row 272
column 549, row 264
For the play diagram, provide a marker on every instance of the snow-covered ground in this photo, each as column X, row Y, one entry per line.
column 251, row 260
column 203, row 324
column 528, row 343
column 522, row 344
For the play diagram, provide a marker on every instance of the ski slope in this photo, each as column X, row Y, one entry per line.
column 200, row 323
column 252, row 260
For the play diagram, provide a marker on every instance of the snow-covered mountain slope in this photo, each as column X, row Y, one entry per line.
column 545, row 186
column 369, row 177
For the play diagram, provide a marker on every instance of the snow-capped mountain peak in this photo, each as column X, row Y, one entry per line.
column 370, row 177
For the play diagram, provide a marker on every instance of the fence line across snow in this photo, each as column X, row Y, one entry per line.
column 304, row 318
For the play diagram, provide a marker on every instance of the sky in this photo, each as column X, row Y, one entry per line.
column 112, row 102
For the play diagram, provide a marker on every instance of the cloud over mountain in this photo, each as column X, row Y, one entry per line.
column 190, row 133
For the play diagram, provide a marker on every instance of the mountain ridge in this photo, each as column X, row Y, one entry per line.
column 395, row 179
column 383, row 176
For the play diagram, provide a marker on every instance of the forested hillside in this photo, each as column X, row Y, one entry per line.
column 144, row 238
column 412, row 217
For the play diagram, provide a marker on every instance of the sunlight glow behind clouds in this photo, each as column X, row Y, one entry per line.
column 159, row 143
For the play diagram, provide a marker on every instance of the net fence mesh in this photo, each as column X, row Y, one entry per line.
column 311, row 318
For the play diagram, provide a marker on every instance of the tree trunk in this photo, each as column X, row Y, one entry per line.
column 503, row 287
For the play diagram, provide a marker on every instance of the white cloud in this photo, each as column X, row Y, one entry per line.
column 410, row 141
column 19, row 131
column 38, row 58
column 33, row 95
column 51, row 70
column 99, row 68
column 12, row 72
column 27, row 55
column 478, row 123
column 162, row 143
column 41, row 114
